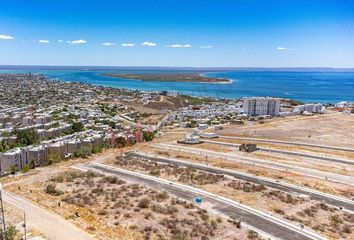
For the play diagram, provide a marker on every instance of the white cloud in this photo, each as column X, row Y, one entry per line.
column 80, row 41
column 179, row 46
column 108, row 44
column 207, row 46
column 60, row 41
column 44, row 41
column 6, row 37
column 285, row 49
column 149, row 44
column 128, row 44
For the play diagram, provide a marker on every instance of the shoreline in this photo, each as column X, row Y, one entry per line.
column 168, row 77
column 201, row 89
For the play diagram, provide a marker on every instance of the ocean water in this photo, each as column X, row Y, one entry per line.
column 306, row 86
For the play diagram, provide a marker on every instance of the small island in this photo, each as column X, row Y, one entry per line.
column 170, row 77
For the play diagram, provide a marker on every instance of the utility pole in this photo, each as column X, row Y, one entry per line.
column 24, row 224
column 2, row 218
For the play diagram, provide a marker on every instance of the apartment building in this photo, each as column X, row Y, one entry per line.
column 260, row 106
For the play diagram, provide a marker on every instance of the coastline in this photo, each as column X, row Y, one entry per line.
column 170, row 77
column 230, row 81
column 244, row 84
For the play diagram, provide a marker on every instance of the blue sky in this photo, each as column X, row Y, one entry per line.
column 208, row 33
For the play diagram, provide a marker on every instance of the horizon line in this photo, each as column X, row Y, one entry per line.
column 175, row 67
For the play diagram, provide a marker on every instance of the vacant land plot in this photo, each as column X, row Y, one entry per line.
column 326, row 166
column 328, row 129
column 110, row 208
column 293, row 148
column 330, row 221
column 318, row 184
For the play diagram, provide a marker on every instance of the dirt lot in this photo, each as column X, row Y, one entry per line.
column 328, row 220
column 317, row 184
column 325, row 166
column 110, row 208
column 328, row 129
column 293, row 148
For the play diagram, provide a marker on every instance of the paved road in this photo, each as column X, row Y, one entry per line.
column 50, row 224
column 299, row 154
column 333, row 177
column 290, row 143
column 285, row 187
column 264, row 222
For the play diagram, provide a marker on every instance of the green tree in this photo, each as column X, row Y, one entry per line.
column 26, row 137
column 10, row 232
column 25, row 168
column 32, row 164
column 81, row 153
column 148, row 136
column 77, row 127
column 3, row 146
column 96, row 150
column 54, row 158
column 13, row 169
column 121, row 142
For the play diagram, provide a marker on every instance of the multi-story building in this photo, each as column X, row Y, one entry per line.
column 311, row 108
column 260, row 106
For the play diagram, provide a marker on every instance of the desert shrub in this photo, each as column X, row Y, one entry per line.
column 58, row 179
column 335, row 220
column 179, row 236
column 323, row 206
column 71, row 176
column 279, row 211
column 144, row 203
column 98, row 190
column 204, row 216
column 347, row 229
column 51, row 189
column 155, row 172
column 213, row 224
column 111, row 179
column 162, row 196
column 90, row 174
column 25, row 168
column 252, row 234
column 102, row 212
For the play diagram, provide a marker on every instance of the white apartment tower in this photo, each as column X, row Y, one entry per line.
column 259, row 106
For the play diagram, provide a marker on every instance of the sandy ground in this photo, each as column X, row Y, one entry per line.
column 302, row 149
column 328, row 129
column 44, row 221
column 41, row 207
column 326, row 166
column 27, row 182
column 292, row 207
column 321, row 185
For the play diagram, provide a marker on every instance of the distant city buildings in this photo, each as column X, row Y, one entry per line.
column 43, row 121
column 310, row 108
column 169, row 93
column 261, row 106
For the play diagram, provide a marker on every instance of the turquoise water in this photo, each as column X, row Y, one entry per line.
column 315, row 86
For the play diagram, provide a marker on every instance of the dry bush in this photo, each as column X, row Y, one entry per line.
column 144, row 203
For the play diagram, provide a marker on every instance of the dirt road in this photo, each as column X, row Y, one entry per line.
column 53, row 226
